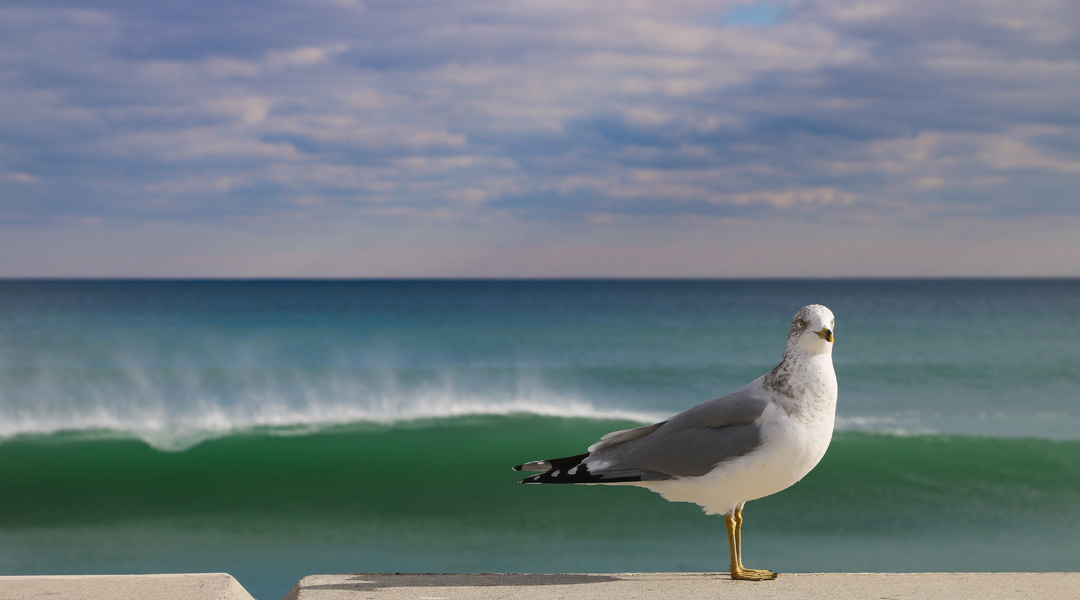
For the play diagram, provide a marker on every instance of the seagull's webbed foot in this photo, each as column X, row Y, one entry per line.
column 745, row 574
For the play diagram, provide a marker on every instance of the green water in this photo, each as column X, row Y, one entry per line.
column 439, row 495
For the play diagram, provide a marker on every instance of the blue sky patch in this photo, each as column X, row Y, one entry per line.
column 758, row 14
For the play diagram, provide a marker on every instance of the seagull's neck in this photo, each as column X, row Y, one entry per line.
column 799, row 370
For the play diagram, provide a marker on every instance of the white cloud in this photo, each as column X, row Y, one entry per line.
column 1009, row 154
column 192, row 144
column 23, row 178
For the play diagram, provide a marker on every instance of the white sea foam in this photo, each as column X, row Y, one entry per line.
column 178, row 409
column 904, row 424
column 170, row 420
column 176, row 421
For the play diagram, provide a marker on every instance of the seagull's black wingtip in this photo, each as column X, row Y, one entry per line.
column 518, row 467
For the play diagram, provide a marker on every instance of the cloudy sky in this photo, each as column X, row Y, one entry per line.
column 419, row 138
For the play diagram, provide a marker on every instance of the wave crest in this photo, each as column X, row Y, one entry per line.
column 172, row 426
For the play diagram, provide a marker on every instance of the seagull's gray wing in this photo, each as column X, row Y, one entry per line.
column 689, row 444
column 620, row 437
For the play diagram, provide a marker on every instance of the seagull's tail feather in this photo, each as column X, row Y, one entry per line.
column 553, row 463
column 573, row 469
column 536, row 465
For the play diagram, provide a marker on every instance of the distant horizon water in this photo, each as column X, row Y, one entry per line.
column 508, row 278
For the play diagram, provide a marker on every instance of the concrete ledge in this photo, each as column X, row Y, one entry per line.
column 600, row 586
column 690, row 586
column 188, row 586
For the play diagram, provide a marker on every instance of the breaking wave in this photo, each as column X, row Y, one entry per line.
column 176, row 419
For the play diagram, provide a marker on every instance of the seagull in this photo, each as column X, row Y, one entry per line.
column 723, row 453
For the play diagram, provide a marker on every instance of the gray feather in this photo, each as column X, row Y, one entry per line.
column 618, row 437
column 689, row 444
column 737, row 408
column 684, row 453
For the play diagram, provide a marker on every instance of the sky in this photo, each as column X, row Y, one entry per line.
column 539, row 138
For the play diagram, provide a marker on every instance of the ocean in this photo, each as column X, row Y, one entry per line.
column 277, row 429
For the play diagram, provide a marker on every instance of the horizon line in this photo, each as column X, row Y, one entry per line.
column 570, row 278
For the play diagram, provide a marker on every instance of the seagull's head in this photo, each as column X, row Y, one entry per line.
column 812, row 329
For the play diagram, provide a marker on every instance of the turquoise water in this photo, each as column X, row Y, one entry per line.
column 278, row 429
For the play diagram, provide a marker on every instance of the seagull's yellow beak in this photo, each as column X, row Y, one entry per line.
column 825, row 334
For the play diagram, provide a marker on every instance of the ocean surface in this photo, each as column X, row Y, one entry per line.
column 276, row 429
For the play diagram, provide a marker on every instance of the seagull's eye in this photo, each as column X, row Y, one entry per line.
column 801, row 322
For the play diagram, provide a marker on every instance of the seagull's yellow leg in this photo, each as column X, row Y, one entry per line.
column 733, row 548
column 733, row 523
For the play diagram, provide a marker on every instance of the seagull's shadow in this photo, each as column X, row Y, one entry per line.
column 365, row 582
